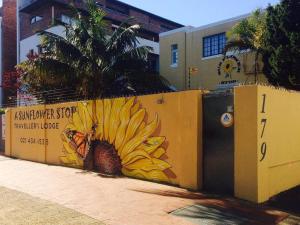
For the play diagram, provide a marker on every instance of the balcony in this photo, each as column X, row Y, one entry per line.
column 28, row 5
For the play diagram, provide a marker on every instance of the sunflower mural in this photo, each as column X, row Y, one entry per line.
column 113, row 137
column 228, row 65
column 228, row 68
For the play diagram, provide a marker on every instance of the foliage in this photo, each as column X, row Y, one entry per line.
column 248, row 35
column 282, row 44
column 90, row 59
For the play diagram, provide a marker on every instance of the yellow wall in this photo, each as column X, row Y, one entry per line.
column 179, row 121
column 176, row 75
column 191, row 55
column 256, row 179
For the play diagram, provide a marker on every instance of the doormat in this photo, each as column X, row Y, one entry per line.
column 219, row 212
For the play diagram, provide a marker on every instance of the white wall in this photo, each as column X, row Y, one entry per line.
column 33, row 41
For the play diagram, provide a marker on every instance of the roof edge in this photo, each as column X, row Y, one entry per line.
column 178, row 30
column 221, row 22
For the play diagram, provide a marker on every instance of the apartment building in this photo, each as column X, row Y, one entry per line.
column 192, row 58
column 8, row 47
column 37, row 15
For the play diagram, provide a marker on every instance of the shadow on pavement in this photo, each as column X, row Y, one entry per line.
column 288, row 201
column 177, row 194
column 261, row 214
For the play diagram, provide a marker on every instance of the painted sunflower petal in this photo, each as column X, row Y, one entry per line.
column 89, row 112
column 68, row 148
column 141, row 127
column 64, row 160
column 158, row 153
column 114, row 121
column 71, row 157
column 71, row 126
column 100, row 119
column 139, row 138
column 157, row 175
column 161, row 164
column 148, row 165
column 134, row 156
column 152, row 144
column 85, row 115
column 135, row 108
column 134, row 173
column 125, row 118
column 139, row 164
column 79, row 162
column 107, row 109
column 77, row 122
column 133, row 125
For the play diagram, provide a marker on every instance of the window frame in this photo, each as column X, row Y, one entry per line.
column 35, row 19
column 173, row 50
column 214, row 48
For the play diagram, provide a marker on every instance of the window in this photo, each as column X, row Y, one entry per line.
column 35, row 19
column 174, row 54
column 30, row 53
column 214, row 45
column 40, row 49
column 66, row 19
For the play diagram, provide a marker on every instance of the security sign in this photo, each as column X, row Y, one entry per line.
column 227, row 119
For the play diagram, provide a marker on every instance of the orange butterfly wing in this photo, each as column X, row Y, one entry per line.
column 79, row 142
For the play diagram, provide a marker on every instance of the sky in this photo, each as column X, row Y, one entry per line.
column 198, row 12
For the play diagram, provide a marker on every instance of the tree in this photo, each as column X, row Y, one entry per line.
column 90, row 60
column 248, row 35
column 282, row 44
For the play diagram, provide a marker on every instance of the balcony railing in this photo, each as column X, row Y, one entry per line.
column 25, row 5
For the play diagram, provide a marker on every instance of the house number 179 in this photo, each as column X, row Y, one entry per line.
column 263, row 147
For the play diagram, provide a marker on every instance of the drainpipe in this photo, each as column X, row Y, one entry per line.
column 185, row 63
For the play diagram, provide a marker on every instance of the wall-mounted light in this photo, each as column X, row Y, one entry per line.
column 161, row 100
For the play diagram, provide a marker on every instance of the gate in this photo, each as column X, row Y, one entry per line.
column 218, row 143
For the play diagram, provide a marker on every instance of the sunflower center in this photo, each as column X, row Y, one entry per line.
column 106, row 159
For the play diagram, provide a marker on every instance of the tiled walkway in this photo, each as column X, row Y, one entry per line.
column 113, row 201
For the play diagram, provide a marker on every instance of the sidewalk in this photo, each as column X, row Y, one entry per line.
column 19, row 208
column 114, row 201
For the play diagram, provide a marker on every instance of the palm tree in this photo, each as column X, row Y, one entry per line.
column 90, row 59
column 248, row 35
